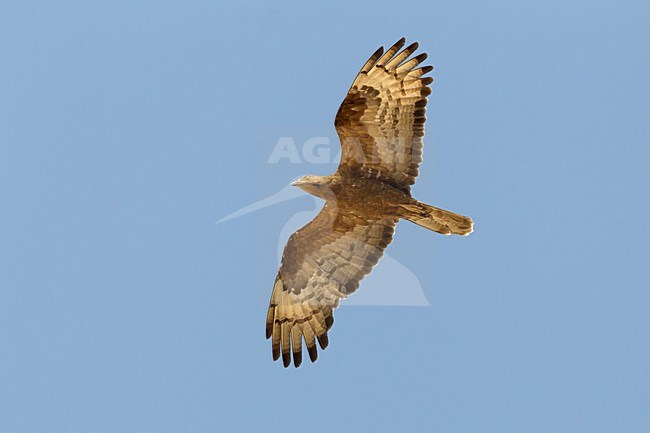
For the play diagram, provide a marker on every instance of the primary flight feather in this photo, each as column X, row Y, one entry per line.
column 380, row 124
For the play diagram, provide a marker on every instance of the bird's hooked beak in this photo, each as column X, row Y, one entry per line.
column 296, row 183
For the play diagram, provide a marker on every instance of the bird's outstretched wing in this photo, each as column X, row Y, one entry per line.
column 322, row 263
column 381, row 121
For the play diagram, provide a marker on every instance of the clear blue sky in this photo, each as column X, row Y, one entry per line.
column 127, row 128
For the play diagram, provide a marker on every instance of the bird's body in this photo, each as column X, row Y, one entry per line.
column 357, row 194
column 381, row 125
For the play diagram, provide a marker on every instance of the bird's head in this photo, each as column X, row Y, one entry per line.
column 320, row 186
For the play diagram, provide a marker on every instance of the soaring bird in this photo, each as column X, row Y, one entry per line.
column 380, row 125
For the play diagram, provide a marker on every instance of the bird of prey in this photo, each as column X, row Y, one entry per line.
column 380, row 125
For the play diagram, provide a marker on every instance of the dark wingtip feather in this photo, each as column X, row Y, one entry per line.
column 399, row 44
column 313, row 353
column 297, row 359
column 269, row 330
column 276, row 353
column 421, row 57
column 329, row 321
column 286, row 359
column 269, row 321
column 323, row 341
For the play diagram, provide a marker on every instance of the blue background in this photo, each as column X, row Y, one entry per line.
column 128, row 128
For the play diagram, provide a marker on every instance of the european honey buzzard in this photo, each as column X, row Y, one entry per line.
column 380, row 124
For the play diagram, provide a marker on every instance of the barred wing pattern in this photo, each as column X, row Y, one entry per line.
column 322, row 263
column 381, row 121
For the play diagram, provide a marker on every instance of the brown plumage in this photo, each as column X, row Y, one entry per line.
column 381, row 125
